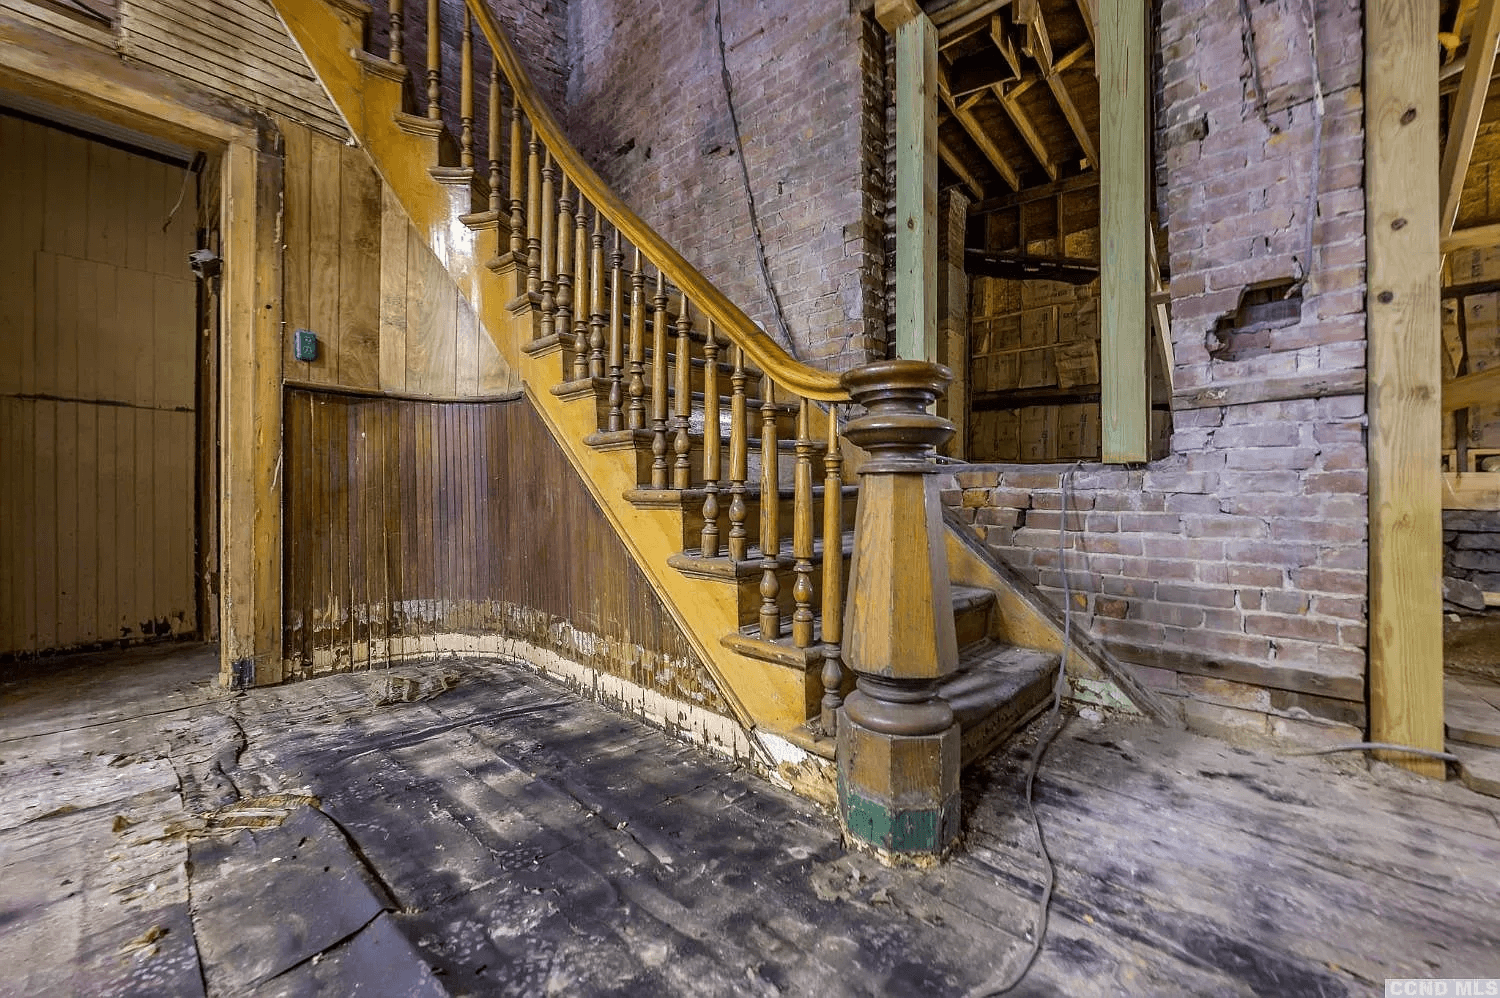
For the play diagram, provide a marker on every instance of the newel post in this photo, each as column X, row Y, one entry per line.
column 898, row 743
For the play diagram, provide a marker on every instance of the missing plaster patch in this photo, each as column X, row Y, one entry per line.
column 1263, row 308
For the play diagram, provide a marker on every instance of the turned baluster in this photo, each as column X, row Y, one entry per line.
column 517, row 181
column 711, row 442
column 659, row 384
column 637, row 418
column 738, row 458
column 434, row 59
column 770, row 515
column 595, row 311
column 533, row 214
column 466, row 93
column 833, row 577
column 573, row 320
column 802, row 533
column 398, row 55
column 548, row 247
column 682, row 442
column 616, row 337
column 494, row 142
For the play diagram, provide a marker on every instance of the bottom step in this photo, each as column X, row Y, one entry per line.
column 996, row 691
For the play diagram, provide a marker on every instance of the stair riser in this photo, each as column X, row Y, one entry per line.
column 982, row 738
column 972, row 624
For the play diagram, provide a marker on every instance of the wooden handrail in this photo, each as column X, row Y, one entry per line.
column 762, row 350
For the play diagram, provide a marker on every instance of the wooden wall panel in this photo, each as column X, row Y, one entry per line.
column 97, row 407
column 407, row 520
column 359, row 275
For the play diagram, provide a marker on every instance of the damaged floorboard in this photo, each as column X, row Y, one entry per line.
column 498, row 836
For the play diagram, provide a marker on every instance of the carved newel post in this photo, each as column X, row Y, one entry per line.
column 898, row 744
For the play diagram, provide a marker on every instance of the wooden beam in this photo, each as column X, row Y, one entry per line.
column 1038, row 45
column 1160, row 320
column 1472, row 238
column 1472, row 490
column 1041, row 192
column 891, row 14
column 1090, row 20
column 1468, row 109
column 916, row 189
column 1022, row 121
column 1075, row 119
column 1403, row 331
column 986, row 145
column 1124, row 65
column 951, row 159
column 1002, row 41
column 1472, row 389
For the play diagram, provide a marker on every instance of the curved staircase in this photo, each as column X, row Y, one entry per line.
column 720, row 460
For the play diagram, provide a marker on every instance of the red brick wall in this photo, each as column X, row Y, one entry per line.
column 1235, row 568
column 646, row 105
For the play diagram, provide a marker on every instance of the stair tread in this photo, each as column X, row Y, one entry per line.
column 992, row 673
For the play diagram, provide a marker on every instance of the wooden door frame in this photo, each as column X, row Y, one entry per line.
column 98, row 83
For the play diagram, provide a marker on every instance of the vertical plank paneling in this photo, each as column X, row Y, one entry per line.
column 106, row 493
column 359, row 270
column 324, row 239
column 466, row 346
column 45, row 528
column 144, row 588
column 393, row 292
column 296, row 224
column 87, row 484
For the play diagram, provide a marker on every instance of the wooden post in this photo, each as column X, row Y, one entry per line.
column 916, row 178
column 682, row 441
column 616, row 330
column 802, row 532
column 1124, row 66
column 738, row 459
column 466, row 93
column 659, row 475
column 898, row 743
column 712, row 439
column 1404, row 330
column 833, row 578
column 770, row 515
column 636, row 418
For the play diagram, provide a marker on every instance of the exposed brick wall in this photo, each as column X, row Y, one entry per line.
column 1235, row 569
column 646, row 106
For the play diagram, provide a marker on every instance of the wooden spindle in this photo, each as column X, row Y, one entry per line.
column 398, row 51
column 517, row 180
column 738, row 458
column 434, row 60
column 833, row 578
column 711, row 442
column 595, row 313
column 802, row 533
column 637, row 417
column 493, row 145
column 534, row 215
column 548, row 212
column 466, row 93
column 770, row 515
column 682, row 442
column 573, row 320
column 616, row 333
column 659, row 384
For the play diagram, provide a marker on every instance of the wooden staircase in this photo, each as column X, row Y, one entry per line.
column 681, row 416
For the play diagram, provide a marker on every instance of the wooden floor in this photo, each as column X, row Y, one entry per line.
column 497, row 836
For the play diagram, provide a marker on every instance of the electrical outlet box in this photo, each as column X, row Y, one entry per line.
column 306, row 346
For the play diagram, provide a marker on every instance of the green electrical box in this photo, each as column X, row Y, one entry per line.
column 306, row 347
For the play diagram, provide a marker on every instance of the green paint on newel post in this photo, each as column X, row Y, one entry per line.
column 898, row 744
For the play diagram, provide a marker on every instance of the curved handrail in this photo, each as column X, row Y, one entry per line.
column 764, row 352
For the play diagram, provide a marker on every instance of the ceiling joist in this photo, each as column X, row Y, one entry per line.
column 1029, row 135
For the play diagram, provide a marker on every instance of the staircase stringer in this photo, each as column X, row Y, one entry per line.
column 764, row 696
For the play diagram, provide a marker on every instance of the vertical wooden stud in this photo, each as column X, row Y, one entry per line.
column 1124, row 65
column 1405, row 380
column 916, row 188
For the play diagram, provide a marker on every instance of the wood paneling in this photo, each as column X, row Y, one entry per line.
column 238, row 48
column 97, row 407
column 407, row 520
column 359, row 275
